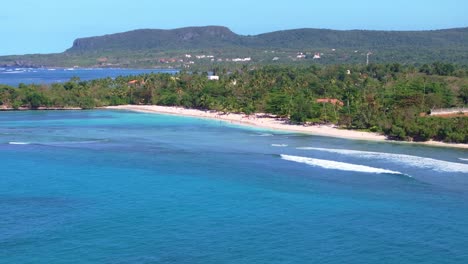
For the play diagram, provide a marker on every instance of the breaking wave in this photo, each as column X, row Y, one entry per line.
column 18, row 143
column 414, row 161
column 335, row 165
column 58, row 143
column 279, row 145
column 13, row 72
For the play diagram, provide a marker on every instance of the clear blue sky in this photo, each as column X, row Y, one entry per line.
column 33, row 26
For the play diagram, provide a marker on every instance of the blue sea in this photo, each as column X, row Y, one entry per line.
column 15, row 76
column 106, row 186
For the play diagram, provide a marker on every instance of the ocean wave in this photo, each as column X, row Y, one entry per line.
column 414, row 161
column 12, row 72
column 59, row 143
column 18, row 143
column 71, row 143
column 261, row 135
column 463, row 159
column 279, row 145
column 335, row 165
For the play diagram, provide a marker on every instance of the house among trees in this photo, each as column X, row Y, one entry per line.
column 300, row 55
column 136, row 82
column 330, row 100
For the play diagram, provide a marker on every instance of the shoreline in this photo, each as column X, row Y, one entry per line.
column 260, row 120
column 40, row 108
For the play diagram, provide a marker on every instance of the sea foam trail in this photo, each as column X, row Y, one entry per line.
column 14, row 71
column 335, row 165
column 414, row 161
column 279, row 145
column 463, row 159
column 18, row 143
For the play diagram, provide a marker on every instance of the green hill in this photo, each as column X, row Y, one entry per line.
column 144, row 39
column 167, row 48
column 194, row 38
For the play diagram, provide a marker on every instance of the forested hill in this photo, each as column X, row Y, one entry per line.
column 213, row 46
column 196, row 38
column 176, row 39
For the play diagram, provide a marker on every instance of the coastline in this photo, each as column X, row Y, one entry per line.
column 260, row 120
column 39, row 108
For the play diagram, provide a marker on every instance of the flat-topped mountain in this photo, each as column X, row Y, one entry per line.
column 182, row 38
column 174, row 47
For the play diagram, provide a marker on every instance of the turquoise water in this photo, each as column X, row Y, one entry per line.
column 120, row 187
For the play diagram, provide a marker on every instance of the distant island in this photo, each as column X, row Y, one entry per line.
column 209, row 46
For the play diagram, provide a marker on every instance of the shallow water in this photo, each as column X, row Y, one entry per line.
column 119, row 187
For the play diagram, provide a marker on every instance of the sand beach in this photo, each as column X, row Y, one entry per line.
column 267, row 121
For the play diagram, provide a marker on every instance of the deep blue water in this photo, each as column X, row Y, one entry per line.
column 15, row 76
column 120, row 187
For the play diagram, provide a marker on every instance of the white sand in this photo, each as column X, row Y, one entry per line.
column 269, row 122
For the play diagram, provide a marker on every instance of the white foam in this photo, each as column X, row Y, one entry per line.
column 279, row 145
column 463, row 159
column 261, row 135
column 414, row 161
column 18, row 143
column 12, row 72
column 335, row 165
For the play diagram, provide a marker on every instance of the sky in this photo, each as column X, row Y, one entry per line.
column 50, row 26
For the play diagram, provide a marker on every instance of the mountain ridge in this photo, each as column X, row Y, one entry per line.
column 164, row 48
column 220, row 36
column 149, row 38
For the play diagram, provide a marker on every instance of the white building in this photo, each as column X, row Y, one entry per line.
column 213, row 78
column 242, row 59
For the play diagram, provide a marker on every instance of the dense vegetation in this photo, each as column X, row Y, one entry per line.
column 200, row 38
column 166, row 48
column 388, row 98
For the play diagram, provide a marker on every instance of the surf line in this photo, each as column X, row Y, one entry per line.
column 336, row 165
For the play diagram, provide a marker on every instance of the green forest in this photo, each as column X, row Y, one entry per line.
column 392, row 99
